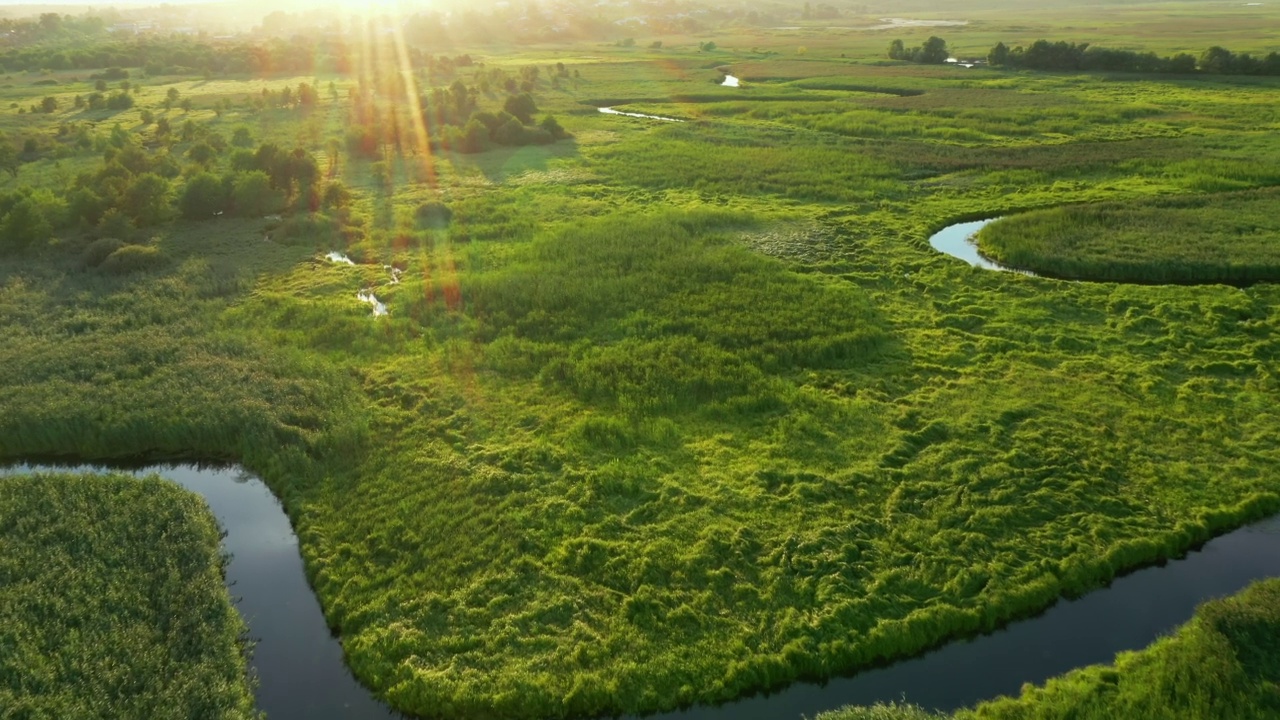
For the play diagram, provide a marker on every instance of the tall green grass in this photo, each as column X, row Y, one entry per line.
column 112, row 603
column 1225, row 238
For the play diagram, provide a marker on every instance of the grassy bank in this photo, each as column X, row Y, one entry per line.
column 1222, row 665
column 112, row 603
column 1222, row 238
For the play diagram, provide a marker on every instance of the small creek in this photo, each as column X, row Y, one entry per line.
column 302, row 675
column 957, row 241
column 612, row 111
column 366, row 295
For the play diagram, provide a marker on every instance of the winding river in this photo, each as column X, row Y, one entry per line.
column 302, row 675
column 958, row 241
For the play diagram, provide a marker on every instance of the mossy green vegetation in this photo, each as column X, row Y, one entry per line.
column 1231, row 238
column 1222, row 665
column 112, row 603
column 659, row 413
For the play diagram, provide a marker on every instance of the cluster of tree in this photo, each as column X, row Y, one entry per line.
column 1064, row 56
column 451, row 117
column 51, row 27
column 932, row 52
column 134, row 188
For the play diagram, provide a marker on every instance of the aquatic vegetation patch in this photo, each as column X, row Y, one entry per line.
column 112, row 603
column 1231, row 238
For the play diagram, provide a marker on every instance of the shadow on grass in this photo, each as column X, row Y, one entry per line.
column 502, row 163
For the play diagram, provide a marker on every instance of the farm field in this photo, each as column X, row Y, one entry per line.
column 658, row 413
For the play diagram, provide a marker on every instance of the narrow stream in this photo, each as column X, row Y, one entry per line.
column 958, row 242
column 611, row 111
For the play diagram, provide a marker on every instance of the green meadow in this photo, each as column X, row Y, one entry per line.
column 661, row 413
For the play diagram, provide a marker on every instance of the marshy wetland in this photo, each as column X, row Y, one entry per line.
column 660, row 414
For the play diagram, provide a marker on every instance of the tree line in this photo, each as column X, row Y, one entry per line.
column 1065, row 56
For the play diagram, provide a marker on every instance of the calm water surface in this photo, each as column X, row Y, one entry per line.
column 957, row 241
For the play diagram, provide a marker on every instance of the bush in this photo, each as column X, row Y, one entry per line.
column 253, row 196
column 203, row 197
column 31, row 219
column 336, row 196
column 115, row 224
column 133, row 258
column 433, row 214
column 99, row 250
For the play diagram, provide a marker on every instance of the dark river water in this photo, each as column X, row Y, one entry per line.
column 302, row 675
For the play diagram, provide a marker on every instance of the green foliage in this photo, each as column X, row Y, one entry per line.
column 100, row 250
column 253, row 196
column 112, row 603
column 203, row 196
column 433, row 214
column 521, row 106
column 932, row 52
column 132, row 259
column 881, row 711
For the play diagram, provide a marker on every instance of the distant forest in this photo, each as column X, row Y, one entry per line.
column 1044, row 55
column 1065, row 56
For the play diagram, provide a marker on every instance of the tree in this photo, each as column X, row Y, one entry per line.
column 203, row 197
column 201, row 153
column 897, row 50
column 253, row 196
column 336, row 195
column 146, row 200
column 934, row 51
column 49, row 104
column 100, row 85
column 147, row 117
column 31, row 220
column 1216, row 60
column 242, row 137
column 999, row 55
column 521, row 106
column 552, row 126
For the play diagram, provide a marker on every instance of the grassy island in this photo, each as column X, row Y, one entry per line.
column 112, row 604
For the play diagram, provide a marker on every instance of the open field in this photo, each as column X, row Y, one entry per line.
column 112, row 604
column 659, row 413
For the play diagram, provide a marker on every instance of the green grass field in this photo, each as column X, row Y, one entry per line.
column 112, row 604
column 671, row 412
